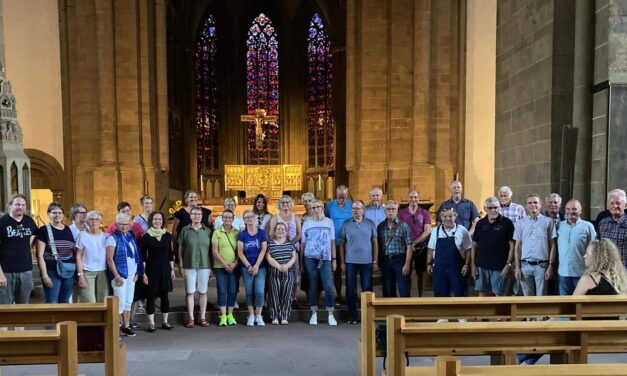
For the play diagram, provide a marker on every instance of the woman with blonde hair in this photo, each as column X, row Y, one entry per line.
column 605, row 274
column 306, row 199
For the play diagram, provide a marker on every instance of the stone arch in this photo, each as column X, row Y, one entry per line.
column 46, row 172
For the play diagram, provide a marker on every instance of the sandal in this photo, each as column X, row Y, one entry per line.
column 166, row 326
column 190, row 324
column 204, row 323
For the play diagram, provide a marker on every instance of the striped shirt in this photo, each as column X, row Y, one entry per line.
column 281, row 253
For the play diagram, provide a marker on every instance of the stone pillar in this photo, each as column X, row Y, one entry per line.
column 118, row 113
column 609, row 134
column 402, row 96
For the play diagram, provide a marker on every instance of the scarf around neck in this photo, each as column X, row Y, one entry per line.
column 156, row 233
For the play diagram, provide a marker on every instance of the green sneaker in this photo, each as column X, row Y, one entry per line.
column 222, row 320
column 230, row 319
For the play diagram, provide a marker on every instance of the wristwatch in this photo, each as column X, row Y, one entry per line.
column 79, row 274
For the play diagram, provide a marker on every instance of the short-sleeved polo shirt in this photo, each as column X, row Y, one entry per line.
column 358, row 240
column 493, row 242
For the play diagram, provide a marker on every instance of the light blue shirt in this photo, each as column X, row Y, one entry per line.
column 375, row 215
column 338, row 215
column 572, row 241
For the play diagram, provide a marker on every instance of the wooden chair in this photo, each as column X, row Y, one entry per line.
column 42, row 347
column 98, row 328
column 576, row 339
column 505, row 308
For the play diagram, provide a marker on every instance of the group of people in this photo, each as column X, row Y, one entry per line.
column 509, row 251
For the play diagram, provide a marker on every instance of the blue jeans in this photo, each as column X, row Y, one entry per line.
column 226, row 284
column 323, row 270
column 532, row 282
column 567, row 285
column 393, row 275
column 255, row 286
column 61, row 289
column 365, row 277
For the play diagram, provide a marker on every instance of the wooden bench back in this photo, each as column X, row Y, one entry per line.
column 509, row 308
column 577, row 338
column 98, row 328
column 451, row 366
column 42, row 346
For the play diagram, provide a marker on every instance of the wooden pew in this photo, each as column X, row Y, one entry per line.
column 575, row 338
column 42, row 346
column 506, row 308
column 98, row 328
column 451, row 366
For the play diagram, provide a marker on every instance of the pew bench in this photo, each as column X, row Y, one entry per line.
column 575, row 339
column 512, row 308
column 26, row 347
column 97, row 328
column 451, row 366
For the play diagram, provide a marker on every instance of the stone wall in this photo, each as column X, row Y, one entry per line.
column 534, row 89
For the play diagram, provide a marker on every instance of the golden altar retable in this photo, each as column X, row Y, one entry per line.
column 271, row 180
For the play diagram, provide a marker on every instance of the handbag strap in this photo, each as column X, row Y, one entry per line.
column 51, row 242
column 393, row 232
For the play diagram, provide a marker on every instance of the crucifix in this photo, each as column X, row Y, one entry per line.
column 259, row 118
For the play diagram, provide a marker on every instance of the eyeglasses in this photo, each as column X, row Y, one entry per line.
column 81, row 212
column 124, row 224
column 56, row 213
column 492, row 207
column 357, row 208
column 195, row 213
column 315, row 207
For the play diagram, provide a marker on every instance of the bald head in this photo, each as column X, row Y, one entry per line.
column 456, row 190
column 376, row 195
column 573, row 211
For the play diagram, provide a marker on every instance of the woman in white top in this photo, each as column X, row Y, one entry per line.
column 318, row 257
column 91, row 261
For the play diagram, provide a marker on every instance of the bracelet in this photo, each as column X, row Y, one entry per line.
column 466, row 264
column 430, row 263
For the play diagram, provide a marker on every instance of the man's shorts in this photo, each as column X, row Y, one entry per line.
column 490, row 280
column 197, row 280
column 19, row 287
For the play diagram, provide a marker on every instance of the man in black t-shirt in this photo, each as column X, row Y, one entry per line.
column 17, row 231
column 492, row 251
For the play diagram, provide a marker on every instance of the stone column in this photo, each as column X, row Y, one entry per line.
column 113, row 69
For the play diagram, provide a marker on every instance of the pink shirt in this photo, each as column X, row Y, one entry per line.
column 415, row 222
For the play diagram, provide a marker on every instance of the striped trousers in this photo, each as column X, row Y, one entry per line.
column 281, row 289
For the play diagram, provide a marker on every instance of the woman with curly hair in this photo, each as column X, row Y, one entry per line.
column 605, row 274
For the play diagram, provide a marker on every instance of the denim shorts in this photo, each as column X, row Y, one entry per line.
column 490, row 280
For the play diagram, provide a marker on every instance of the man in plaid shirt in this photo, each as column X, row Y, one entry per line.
column 614, row 227
column 509, row 209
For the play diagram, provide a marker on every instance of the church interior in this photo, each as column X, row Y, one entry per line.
column 118, row 99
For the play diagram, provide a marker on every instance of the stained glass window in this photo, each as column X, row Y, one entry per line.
column 321, row 126
column 262, row 89
column 206, row 98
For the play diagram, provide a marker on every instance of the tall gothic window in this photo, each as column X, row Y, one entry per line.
column 321, row 126
column 262, row 89
column 206, row 98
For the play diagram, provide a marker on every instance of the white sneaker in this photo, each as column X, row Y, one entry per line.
column 259, row 321
column 251, row 320
column 284, row 322
column 442, row 320
column 332, row 321
column 462, row 320
column 314, row 319
column 236, row 306
column 275, row 322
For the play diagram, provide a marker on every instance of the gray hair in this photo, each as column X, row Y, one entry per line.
column 554, row 195
column 121, row 217
column 94, row 214
column 506, row 189
column 446, row 210
column 391, row 202
column 491, row 201
column 619, row 193
column 375, row 189
column 75, row 208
